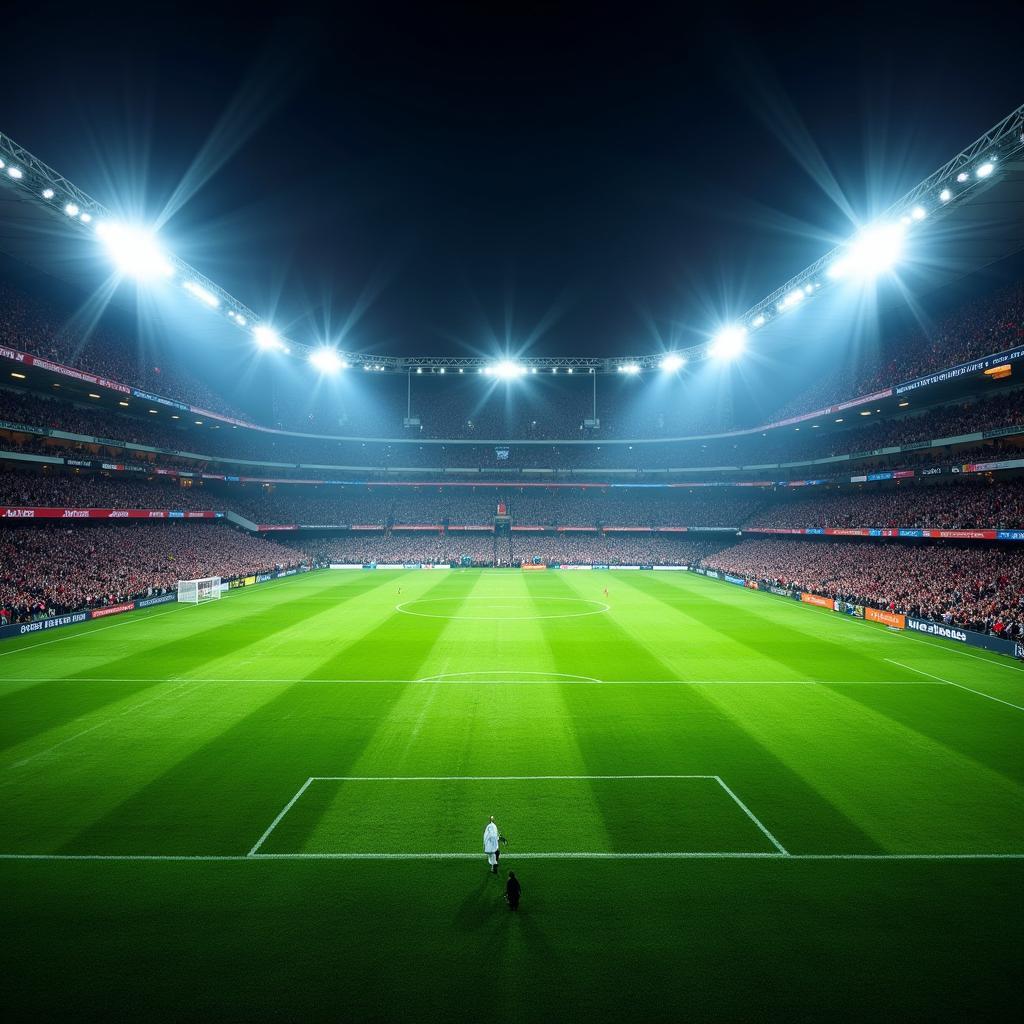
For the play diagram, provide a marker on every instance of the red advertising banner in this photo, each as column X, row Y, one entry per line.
column 531, row 567
column 960, row 534
column 888, row 618
column 113, row 609
column 101, row 513
column 821, row 602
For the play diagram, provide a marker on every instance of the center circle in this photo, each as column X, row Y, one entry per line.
column 512, row 603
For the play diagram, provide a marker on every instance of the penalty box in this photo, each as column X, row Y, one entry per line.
column 367, row 817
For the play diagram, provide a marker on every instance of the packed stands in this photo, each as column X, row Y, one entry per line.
column 968, row 504
column 487, row 549
column 554, row 408
column 979, row 588
column 30, row 325
column 991, row 324
column 52, row 570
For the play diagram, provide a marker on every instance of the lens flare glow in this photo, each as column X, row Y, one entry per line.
column 874, row 251
column 134, row 251
column 327, row 360
column 728, row 343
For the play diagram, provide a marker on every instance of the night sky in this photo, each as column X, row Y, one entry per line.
column 564, row 183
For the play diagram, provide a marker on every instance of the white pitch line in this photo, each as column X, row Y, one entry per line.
column 574, row 855
column 90, row 632
column 477, row 682
column 287, row 807
column 485, row 778
column 128, row 621
column 959, row 686
column 753, row 817
column 1001, row 663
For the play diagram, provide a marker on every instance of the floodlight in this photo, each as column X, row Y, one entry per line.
column 326, row 360
column 204, row 296
column 872, row 252
column 47, row 193
column 85, row 218
column 728, row 343
column 267, row 338
column 71, row 209
column 982, row 172
column 569, row 370
column 794, row 298
column 962, row 177
column 945, row 195
column 919, row 213
column 16, row 173
column 134, row 251
column 507, row 370
column 673, row 362
column 632, row 369
column 758, row 320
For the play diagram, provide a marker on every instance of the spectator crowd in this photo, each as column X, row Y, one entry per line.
column 52, row 570
column 979, row 588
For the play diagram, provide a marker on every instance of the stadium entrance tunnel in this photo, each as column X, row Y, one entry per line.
column 502, row 607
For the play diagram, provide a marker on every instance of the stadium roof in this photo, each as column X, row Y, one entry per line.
column 950, row 235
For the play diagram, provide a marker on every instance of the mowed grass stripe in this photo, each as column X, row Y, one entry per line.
column 552, row 815
column 227, row 788
column 238, row 621
column 109, row 774
column 936, row 784
column 472, row 729
column 168, row 649
column 680, row 729
column 995, row 674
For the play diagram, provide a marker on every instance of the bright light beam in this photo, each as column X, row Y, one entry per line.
column 267, row 338
column 728, row 343
column 506, row 370
column 326, row 360
column 874, row 251
column 134, row 251
column 673, row 362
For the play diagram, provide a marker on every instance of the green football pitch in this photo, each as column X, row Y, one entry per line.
column 721, row 805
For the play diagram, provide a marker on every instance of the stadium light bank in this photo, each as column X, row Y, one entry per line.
column 874, row 250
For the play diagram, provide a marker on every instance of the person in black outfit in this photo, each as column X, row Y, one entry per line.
column 513, row 890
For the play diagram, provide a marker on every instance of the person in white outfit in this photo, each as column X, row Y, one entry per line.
column 491, row 838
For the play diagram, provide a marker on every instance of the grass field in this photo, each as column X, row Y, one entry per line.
column 721, row 805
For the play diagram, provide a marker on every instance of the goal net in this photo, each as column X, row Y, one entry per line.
column 195, row 591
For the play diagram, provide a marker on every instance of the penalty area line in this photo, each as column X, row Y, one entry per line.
column 553, row 855
column 277, row 821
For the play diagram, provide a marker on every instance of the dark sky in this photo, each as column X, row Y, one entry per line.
column 449, row 180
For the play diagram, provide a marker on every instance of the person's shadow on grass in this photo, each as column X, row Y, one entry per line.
column 480, row 905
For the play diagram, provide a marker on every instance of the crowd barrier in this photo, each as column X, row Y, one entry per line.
column 894, row 620
column 88, row 614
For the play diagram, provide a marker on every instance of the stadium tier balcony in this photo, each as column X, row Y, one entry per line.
column 554, row 408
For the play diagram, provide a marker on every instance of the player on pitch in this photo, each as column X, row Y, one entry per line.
column 491, row 839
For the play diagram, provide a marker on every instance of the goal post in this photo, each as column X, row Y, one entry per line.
column 196, row 591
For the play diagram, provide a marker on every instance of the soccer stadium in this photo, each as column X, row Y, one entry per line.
column 358, row 668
